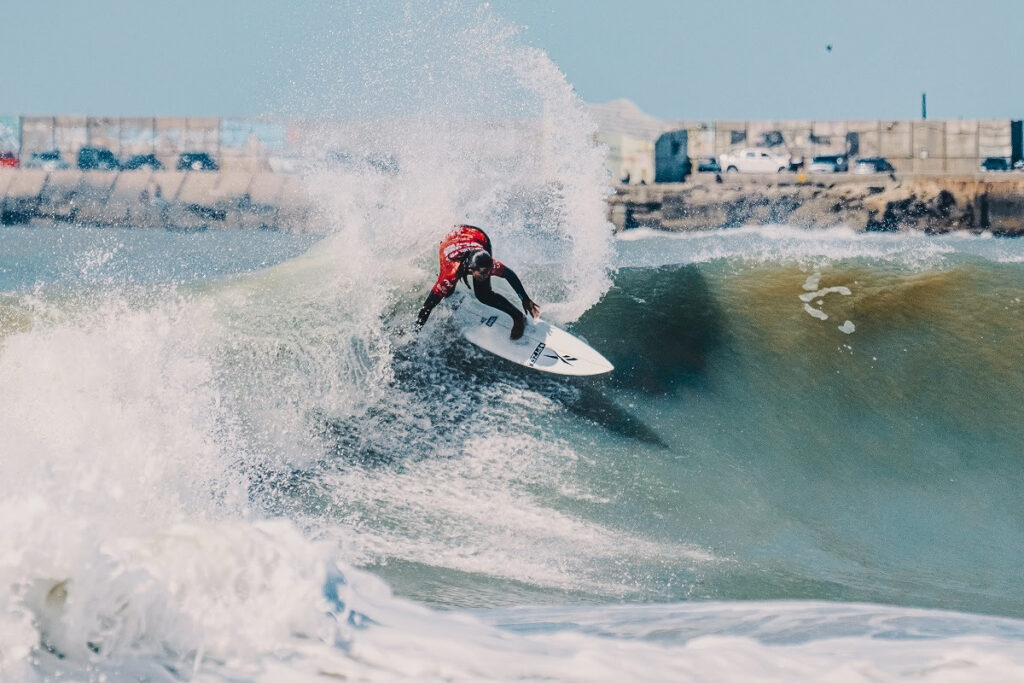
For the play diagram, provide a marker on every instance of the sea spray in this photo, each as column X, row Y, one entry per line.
column 156, row 413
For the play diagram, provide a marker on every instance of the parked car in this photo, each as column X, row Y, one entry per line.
column 995, row 164
column 708, row 165
column 196, row 161
column 829, row 163
column 97, row 158
column 137, row 161
column 868, row 165
column 8, row 160
column 48, row 161
column 755, row 160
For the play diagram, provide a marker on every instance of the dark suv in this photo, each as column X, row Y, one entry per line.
column 708, row 165
column 138, row 161
column 196, row 161
column 97, row 158
column 995, row 164
column 829, row 163
column 867, row 165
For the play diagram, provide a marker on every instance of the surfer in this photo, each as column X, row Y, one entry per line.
column 466, row 251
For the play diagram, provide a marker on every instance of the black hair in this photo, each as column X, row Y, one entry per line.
column 475, row 260
column 480, row 260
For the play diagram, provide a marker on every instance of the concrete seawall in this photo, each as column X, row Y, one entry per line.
column 279, row 201
column 157, row 199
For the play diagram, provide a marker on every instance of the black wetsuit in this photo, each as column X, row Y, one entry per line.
column 455, row 248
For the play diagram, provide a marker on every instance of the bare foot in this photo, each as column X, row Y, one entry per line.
column 518, row 327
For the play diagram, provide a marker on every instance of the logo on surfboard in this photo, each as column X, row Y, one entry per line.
column 536, row 353
column 567, row 359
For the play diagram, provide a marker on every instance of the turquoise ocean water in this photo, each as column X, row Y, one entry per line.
column 212, row 471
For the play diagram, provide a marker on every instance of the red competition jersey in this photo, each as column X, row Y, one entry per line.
column 456, row 244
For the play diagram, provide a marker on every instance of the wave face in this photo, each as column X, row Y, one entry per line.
column 226, row 456
column 842, row 408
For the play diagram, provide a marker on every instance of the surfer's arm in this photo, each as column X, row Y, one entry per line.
column 433, row 299
column 442, row 289
column 501, row 270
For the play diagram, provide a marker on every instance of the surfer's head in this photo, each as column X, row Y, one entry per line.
column 479, row 264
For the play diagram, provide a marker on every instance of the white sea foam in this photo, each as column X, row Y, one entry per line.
column 811, row 283
column 645, row 247
column 337, row 622
column 815, row 312
column 807, row 297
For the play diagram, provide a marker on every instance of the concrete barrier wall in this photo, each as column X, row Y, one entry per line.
column 240, row 143
column 158, row 199
column 911, row 146
column 249, row 146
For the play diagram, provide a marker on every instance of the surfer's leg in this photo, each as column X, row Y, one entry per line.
column 483, row 291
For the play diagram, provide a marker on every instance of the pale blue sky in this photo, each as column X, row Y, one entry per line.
column 697, row 59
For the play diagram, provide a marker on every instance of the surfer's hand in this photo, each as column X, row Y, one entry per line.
column 421, row 317
column 531, row 308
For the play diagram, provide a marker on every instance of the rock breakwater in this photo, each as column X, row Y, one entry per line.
column 932, row 203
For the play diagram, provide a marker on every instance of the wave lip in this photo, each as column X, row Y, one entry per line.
column 644, row 247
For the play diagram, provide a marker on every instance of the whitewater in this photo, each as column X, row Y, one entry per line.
column 227, row 456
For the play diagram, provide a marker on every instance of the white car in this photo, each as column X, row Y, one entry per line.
column 755, row 160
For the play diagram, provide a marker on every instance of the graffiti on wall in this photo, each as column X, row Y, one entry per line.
column 10, row 134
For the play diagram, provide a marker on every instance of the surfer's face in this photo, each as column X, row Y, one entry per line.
column 481, row 273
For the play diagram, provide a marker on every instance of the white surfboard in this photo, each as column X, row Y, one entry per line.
column 542, row 346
